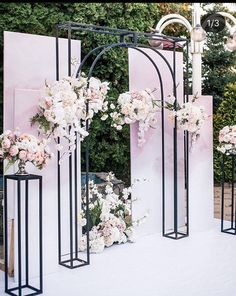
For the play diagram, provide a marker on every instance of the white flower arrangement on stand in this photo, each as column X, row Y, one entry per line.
column 227, row 140
column 62, row 109
column 135, row 106
column 189, row 116
column 110, row 219
column 16, row 146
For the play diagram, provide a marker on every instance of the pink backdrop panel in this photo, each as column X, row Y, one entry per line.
column 201, row 179
column 146, row 161
column 28, row 61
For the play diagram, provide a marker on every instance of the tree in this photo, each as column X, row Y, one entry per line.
column 218, row 63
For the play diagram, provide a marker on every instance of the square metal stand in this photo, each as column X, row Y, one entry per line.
column 23, row 287
column 232, row 223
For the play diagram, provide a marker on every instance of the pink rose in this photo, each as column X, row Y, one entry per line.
column 14, row 150
column 48, row 103
column 6, row 143
column 23, row 155
column 39, row 160
column 30, row 156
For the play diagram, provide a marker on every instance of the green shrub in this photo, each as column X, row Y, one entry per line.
column 225, row 115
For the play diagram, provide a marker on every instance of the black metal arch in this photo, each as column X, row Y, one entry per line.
column 133, row 44
column 122, row 44
column 105, row 48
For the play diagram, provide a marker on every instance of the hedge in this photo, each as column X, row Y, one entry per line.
column 225, row 115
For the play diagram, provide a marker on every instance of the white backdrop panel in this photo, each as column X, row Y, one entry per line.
column 146, row 161
column 28, row 61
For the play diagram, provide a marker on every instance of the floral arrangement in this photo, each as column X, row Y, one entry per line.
column 16, row 146
column 110, row 218
column 135, row 106
column 227, row 140
column 62, row 109
column 189, row 116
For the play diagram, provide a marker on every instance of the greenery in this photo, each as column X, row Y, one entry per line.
column 218, row 64
column 225, row 115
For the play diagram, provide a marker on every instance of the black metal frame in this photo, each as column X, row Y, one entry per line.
column 232, row 228
column 127, row 39
column 20, row 287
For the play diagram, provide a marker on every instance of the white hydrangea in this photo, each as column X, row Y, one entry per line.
column 136, row 106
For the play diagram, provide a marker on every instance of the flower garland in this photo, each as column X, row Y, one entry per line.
column 110, row 218
column 227, row 140
column 189, row 116
column 62, row 109
column 135, row 106
column 16, row 146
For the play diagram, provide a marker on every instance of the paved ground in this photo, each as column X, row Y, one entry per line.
column 228, row 203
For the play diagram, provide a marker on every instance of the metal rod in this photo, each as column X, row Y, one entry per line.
column 234, row 208
column 40, row 236
column 5, row 234
column 70, row 162
column 175, row 154
column 26, row 232
column 232, row 194
column 19, row 234
column 76, row 203
column 58, row 164
column 222, row 193
column 87, row 183
column 187, row 143
column 117, row 32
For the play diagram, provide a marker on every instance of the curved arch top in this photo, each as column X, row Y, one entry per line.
column 105, row 48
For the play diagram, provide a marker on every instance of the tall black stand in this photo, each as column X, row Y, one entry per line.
column 23, row 287
column 231, row 221
column 179, row 229
column 69, row 256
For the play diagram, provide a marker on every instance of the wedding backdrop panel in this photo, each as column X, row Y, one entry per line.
column 29, row 60
column 201, row 181
column 146, row 162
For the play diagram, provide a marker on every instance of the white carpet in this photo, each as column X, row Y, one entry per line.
column 202, row 265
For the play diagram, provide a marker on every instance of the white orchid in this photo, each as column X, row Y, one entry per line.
column 63, row 108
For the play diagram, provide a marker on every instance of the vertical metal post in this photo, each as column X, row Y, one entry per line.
column 40, row 237
column 175, row 152
column 163, row 161
column 70, row 162
column 26, row 232
column 232, row 194
column 58, row 158
column 19, row 234
column 222, row 193
column 87, row 184
column 76, row 203
column 5, row 234
column 187, row 143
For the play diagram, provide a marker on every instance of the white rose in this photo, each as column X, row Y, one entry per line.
column 94, row 83
column 104, row 117
column 97, row 245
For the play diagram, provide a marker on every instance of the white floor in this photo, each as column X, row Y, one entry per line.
column 202, row 265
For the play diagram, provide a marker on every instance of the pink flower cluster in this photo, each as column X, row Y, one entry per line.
column 227, row 139
column 15, row 146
